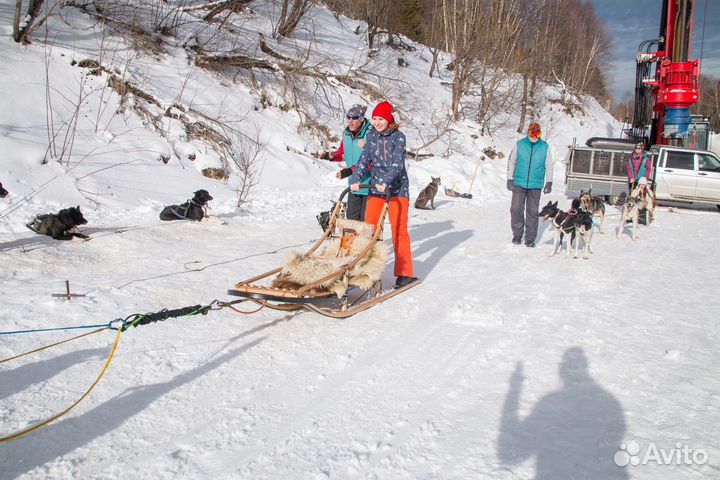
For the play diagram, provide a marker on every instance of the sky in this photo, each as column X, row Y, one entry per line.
column 631, row 22
column 504, row 363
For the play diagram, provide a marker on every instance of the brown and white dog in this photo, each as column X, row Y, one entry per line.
column 593, row 205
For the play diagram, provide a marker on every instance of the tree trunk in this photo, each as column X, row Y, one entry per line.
column 33, row 12
column 523, row 105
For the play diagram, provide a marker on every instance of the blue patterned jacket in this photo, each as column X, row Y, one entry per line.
column 385, row 151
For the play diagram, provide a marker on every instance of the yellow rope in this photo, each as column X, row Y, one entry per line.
column 53, row 345
column 52, row 419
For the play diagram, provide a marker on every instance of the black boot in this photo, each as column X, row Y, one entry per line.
column 402, row 281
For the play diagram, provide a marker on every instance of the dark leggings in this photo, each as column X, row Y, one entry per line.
column 356, row 205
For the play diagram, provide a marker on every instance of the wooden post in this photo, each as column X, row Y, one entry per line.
column 482, row 157
column 67, row 294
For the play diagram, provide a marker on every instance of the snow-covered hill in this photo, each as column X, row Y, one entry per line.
column 590, row 355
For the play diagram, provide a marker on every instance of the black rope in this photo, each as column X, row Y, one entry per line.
column 147, row 318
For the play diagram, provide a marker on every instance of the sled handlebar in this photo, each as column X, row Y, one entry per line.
column 365, row 187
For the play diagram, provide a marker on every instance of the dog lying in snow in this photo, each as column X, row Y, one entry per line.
column 193, row 209
column 61, row 225
column 3, row 192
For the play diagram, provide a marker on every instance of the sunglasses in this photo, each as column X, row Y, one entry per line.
column 353, row 117
column 638, row 147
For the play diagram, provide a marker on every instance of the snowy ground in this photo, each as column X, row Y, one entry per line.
column 503, row 364
column 413, row 388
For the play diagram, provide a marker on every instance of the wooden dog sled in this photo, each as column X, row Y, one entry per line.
column 338, row 277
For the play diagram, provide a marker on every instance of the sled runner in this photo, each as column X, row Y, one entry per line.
column 338, row 277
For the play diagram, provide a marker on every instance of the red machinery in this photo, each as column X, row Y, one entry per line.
column 667, row 81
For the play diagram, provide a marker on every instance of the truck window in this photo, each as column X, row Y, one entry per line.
column 708, row 163
column 680, row 160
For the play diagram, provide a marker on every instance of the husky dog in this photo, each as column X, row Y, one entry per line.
column 648, row 195
column 583, row 229
column 60, row 226
column 3, row 192
column 428, row 195
column 193, row 209
column 631, row 211
column 593, row 205
column 562, row 222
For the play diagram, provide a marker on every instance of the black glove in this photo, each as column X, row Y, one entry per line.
column 548, row 187
column 510, row 185
column 345, row 172
column 324, row 156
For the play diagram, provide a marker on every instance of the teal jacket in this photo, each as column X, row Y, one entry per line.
column 352, row 151
column 530, row 164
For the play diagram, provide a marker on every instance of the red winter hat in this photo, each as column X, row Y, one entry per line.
column 384, row 110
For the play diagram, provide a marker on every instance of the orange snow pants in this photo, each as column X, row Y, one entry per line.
column 398, row 209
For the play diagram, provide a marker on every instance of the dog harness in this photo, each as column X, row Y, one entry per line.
column 561, row 225
column 186, row 208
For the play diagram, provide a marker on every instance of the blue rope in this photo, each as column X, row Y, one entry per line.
column 109, row 325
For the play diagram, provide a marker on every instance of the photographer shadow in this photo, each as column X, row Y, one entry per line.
column 573, row 432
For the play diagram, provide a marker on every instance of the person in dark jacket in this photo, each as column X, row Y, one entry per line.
column 385, row 151
column 639, row 166
column 351, row 147
column 529, row 167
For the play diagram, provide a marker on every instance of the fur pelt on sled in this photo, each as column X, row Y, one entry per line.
column 301, row 269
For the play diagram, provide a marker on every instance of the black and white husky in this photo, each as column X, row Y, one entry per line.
column 563, row 223
column 594, row 205
column 583, row 230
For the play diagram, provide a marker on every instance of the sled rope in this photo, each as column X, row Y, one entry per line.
column 105, row 325
column 134, row 320
column 229, row 305
column 139, row 319
column 55, row 344
column 87, row 392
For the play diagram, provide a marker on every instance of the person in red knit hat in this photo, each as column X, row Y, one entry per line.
column 385, row 151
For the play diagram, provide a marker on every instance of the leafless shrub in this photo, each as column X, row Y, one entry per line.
column 290, row 16
column 245, row 158
column 228, row 6
column 123, row 88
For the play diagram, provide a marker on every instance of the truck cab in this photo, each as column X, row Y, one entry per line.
column 686, row 175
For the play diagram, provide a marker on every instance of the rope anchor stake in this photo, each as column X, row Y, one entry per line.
column 67, row 295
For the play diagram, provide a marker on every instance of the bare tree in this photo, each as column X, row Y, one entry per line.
column 291, row 13
column 34, row 18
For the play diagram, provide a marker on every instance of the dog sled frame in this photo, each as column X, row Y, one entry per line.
column 307, row 296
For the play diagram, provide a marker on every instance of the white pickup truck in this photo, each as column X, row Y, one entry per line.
column 679, row 174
